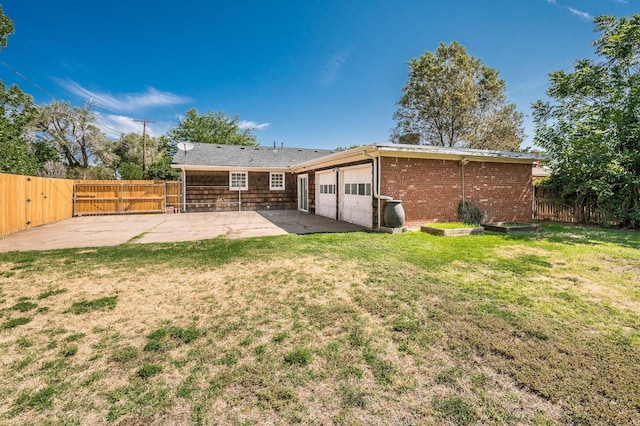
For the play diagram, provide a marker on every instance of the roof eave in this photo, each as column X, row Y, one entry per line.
column 348, row 156
column 457, row 154
column 415, row 151
column 191, row 167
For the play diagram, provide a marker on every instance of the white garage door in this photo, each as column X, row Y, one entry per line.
column 356, row 204
column 326, row 197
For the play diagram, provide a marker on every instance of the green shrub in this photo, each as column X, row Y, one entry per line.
column 469, row 212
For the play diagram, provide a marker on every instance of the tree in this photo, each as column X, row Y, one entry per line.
column 591, row 130
column 213, row 127
column 16, row 112
column 6, row 28
column 53, row 169
column 72, row 132
column 452, row 99
column 125, row 156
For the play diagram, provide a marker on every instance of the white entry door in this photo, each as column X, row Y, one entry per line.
column 303, row 193
column 356, row 205
column 326, row 196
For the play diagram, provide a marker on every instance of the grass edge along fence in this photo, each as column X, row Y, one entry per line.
column 28, row 201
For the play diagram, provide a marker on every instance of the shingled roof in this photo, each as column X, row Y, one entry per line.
column 227, row 157
column 205, row 154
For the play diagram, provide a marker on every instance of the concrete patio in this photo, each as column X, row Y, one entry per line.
column 94, row 231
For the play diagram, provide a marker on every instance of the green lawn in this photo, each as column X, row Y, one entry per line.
column 359, row 328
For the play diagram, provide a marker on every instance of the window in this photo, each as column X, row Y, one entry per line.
column 355, row 189
column 276, row 181
column 328, row 189
column 238, row 181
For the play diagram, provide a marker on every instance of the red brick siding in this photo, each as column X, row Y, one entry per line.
column 430, row 190
column 209, row 191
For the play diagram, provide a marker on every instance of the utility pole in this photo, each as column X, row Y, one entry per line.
column 144, row 141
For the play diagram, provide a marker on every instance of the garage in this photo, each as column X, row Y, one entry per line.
column 356, row 202
column 326, row 197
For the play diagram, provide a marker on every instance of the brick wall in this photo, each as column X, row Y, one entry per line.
column 430, row 190
column 209, row 191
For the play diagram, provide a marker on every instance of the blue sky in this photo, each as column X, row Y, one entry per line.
column 317, row 74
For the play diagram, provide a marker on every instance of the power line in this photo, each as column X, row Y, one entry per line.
column 37, row 86
column 19, row 74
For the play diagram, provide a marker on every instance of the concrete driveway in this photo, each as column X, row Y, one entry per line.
column 94, row 231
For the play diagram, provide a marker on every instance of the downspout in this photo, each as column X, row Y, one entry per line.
column 184, row 190
column 463, row 163
column 376, row 186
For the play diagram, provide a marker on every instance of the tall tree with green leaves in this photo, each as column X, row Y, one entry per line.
column 591, row 128
column 72, row 132
column 212, row 127
column 452, row 99
column 16, row 112
column 6, row 28
column 125, row 156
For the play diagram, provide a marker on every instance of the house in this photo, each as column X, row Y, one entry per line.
column 354, row 185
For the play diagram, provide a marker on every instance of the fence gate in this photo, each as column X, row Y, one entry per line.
column 95, row 198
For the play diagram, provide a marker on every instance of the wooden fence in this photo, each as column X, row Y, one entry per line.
column 27, row 201
column 125, row 197
column 547, row 210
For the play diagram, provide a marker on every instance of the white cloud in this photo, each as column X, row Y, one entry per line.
column 115, row 125
column 128, row 102
column 583, row 15
column 334, row 65
column 579, row 13
column 252, row 125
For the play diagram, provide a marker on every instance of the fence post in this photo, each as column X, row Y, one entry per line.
column 164, row 207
